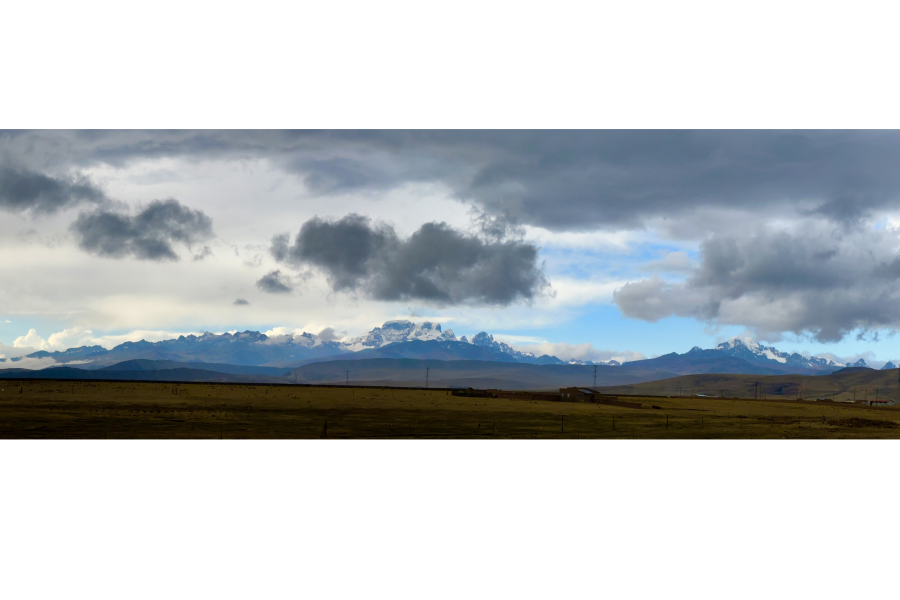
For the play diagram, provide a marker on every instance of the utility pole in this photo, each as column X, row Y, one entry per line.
column 756, row 396
column 426, row 377
column 595, row 376
column 348, row 377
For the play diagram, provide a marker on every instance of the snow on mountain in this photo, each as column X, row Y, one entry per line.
column 393, row 332
column 609, row 363
column 754, row 352
column 741, row 346
column 282, row 346
column 485, row 339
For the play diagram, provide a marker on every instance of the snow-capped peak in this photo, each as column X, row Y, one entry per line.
column 485, row 339
column 748, row 349
column 392, row 332
column 752, row 351
column 737, row 342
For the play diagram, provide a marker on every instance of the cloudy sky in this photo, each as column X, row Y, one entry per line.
column 590, row 244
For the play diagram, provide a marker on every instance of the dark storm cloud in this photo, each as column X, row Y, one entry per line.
column 274, row 282
column 813, row 279
column 563, row 180
column 23, row 190
column 436, row 263
column 148, row 235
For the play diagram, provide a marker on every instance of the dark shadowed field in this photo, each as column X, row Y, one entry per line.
column 62, row 410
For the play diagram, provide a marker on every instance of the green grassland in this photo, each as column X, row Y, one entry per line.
column 147, row 410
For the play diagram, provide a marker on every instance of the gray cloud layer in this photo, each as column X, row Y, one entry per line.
column 24, row 190
column 436, row 263
column 564, row 180
column 826, row 276
column 815, row 279
column 148, row 235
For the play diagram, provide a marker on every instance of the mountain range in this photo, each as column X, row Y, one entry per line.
column 755, row 353
column 295, row 356
column 252, row 348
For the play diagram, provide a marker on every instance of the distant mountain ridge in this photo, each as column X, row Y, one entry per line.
column 393, row 332
column 408, row 340
column 252, row 348
column 756, row 353
column 485, row 340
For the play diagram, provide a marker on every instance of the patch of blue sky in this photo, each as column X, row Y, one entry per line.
column 19, row 325
column 605, row 328
column 606, row 264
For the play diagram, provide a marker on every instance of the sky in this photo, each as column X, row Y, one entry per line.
column 590, row 244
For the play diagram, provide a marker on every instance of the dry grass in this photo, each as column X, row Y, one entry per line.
column 61, row 410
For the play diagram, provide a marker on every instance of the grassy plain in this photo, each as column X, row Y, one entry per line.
column 146, row 410
column 843, row 387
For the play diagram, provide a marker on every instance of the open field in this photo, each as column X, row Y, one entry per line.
column 841, row 387
column 62, row 410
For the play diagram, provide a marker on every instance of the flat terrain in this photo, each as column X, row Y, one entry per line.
column 843, row 386
column 400, row 372
column 62, row 410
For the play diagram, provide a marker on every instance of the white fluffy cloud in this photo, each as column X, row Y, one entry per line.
column 77, row 336
column 30, row 340
column 576, row 351
column 67, row 338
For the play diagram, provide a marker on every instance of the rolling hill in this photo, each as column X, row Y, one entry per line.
column 158, row 365
column 844, row 385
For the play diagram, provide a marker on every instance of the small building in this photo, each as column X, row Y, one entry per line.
column 881, row 402
column 576, row 395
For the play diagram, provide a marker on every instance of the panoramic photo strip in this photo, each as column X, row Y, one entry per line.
column 449, row 284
